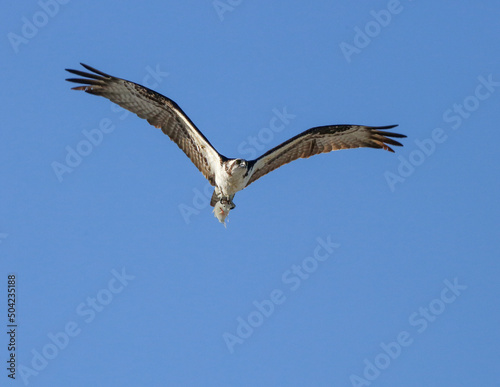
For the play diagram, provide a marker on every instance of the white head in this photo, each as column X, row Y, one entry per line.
column 237, row 166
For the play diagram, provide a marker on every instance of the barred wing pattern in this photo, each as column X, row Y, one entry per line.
column 158, row 110
column 322, row 139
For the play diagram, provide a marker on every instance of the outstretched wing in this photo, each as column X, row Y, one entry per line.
column 158, row 110
column 322, row 139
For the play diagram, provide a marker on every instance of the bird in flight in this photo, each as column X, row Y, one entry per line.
column 227, row 175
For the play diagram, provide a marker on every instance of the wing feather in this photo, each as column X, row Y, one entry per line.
column 323, row 139
column 158, row 110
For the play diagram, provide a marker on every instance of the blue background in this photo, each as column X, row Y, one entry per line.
column 190, row 280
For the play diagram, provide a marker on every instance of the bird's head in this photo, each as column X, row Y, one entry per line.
column 238, row 166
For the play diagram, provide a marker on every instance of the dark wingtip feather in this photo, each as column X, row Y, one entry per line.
column 84, row 74
column 95, row 70
column 385, row 127
column 391, row 141
column 386, row 138
column 390, row 134
column 83, row 80
column 89, row 79
column 96, row 78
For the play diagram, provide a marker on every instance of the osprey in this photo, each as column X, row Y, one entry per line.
column 227, row 175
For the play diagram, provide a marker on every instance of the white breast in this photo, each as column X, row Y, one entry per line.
column 230, row 184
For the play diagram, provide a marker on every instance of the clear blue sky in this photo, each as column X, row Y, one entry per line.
column 354, row 268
